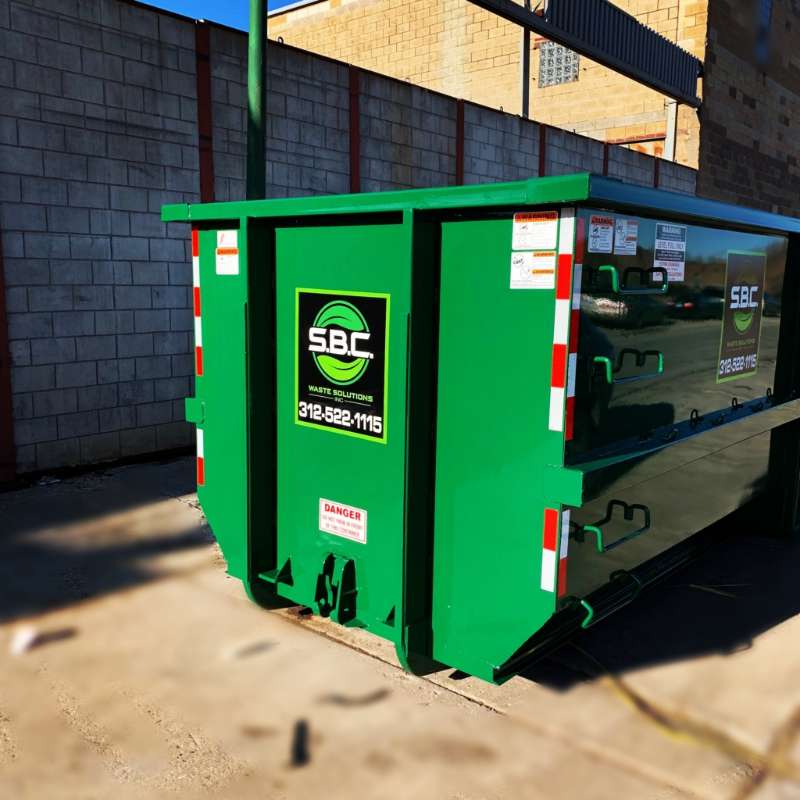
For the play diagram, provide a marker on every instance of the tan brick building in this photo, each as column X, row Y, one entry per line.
column 740, row 139
column 457, row 48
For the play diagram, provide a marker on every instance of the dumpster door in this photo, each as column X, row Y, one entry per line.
column 342, row 303
column 499, row 428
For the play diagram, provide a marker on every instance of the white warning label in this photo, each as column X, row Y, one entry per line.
column 227, row 253
column 535, row 230
column 626, row 237
column 533, row 270
column 601, row 234
column 343, row 520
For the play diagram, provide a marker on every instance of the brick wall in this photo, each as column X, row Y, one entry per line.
column 749, row 145
column 98, row 129
column 457, row 48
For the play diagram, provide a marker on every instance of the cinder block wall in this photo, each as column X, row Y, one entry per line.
column 407, row 135
column 98, row 129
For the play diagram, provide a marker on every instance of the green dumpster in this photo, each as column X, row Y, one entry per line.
column 473, row 420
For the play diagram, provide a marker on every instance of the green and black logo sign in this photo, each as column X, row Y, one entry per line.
column 741, row 319
column 341, row 352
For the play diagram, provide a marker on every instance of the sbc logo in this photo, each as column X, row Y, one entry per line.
column 338, row 341
column 743, row 305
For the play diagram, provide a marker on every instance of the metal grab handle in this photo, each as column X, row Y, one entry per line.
column 610, row 369
column 597, row 527
column 643, row 288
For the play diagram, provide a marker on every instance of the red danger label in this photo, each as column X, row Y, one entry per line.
column 343, row 520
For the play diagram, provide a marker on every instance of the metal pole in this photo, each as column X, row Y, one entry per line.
column 256, row 102
column 525, row 67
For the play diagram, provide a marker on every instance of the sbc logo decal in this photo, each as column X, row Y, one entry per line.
column 743, row 305
column 745, row 277
column 341, row 352
column 339, row 340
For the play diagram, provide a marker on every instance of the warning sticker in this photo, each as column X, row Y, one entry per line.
column 741, row 318
column 670, row 252
column 227, row 255
column 533, row 270
column 601, row 234
column 342, row 520
column 626, row 237
column 535, row 230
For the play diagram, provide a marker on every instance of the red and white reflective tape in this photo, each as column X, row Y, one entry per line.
column 575, row 327
column 554, row 552
column 558, row 379
column 562, row 554
column 201, row 462
column 198, row 326
column 549, row 545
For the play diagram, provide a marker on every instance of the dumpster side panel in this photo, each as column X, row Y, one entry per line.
column 220, row 391
column 341, row 429
column 500, row 426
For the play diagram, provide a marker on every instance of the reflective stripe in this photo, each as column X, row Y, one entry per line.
column 548, row 583
column 557, row 397
column 562, row 322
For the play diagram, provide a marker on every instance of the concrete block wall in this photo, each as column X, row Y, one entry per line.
column 498, row 147
column 307, row 125
column 99, row 129
column 408, row 135
column 97, row 117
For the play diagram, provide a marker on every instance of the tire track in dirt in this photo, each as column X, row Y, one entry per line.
column 8, row 748
column 193, row 762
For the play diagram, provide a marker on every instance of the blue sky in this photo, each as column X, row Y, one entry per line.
column 230, row 12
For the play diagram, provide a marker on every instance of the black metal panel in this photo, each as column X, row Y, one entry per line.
column 602, row 32
column 606, row 28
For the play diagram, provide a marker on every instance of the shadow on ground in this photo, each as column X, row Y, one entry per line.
column 716, row 605
column 67, row 541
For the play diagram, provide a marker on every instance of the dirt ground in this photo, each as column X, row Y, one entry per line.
column 132, row 666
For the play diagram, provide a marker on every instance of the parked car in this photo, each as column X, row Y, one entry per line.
column 706, row 303
column 624, row 312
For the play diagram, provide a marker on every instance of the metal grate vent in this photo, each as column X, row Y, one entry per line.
column 610, row 30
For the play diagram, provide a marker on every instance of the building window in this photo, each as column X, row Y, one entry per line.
column 557, row 64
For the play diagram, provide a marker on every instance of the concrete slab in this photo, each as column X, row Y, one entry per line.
column 154, row 676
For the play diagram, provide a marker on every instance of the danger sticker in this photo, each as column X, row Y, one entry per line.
column 535, row 230
column 227, row 255
column 535, row 270
column 343, row 520
column 601, row 234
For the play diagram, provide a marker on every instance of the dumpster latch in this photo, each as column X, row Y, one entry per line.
column 336, row 589
column 195, row 410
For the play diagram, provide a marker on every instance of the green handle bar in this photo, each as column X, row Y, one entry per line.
column 622, row 288
column 610, row 369
column 628, row 512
